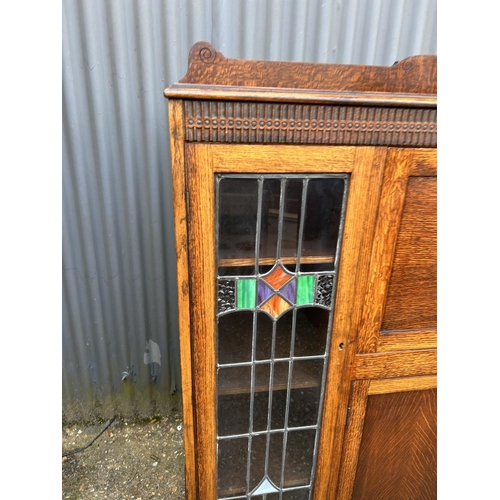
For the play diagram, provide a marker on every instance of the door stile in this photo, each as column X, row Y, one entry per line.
column 203, row 308
column 366, row 184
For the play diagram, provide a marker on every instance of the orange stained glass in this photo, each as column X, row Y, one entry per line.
column 275, row 306
column 277, row 278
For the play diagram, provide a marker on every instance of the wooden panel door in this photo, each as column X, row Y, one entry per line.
column 389, row 449
column 242, row 290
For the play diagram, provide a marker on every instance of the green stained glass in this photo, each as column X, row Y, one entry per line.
column 246, row 293
column 305, row 290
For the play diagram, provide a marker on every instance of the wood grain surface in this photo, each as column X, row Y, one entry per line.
column 274, row 159
column 203, row 311
column 260, row 94
column 401, row 340
column 402, row 384
column 398, row 163
column 397, row 456
column 298, row 123
column 416, row 74
column 183, row 295
column 364, row 196
column 424, row 163
column 352, row 439
column 395, row 364
column 360, row 390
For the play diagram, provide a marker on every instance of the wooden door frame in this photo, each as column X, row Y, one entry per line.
column 365, row 166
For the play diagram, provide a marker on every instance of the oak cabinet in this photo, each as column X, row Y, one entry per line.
column 305, row 222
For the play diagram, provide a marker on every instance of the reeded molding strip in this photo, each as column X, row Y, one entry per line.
column 250, row 122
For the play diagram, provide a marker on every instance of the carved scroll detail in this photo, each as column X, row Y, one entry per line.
column 207, row 55
column 248, row 122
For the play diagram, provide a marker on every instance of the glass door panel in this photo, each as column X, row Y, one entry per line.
column 278, row 246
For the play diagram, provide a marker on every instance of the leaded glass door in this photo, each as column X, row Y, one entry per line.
column 275, row 240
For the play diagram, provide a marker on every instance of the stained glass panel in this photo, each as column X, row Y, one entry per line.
column 231, row 466
column 237, row 221
column 275, row 306
column 305, row 290
column 324, row 290
column 299, row 456
column 261, row 397
column 246, row 293
column 226, row 299
column 263, row 292
column 235, row 337
column 323, row 216
column 277, row 278
column 276, row 285
column 311, row 331
column 291, row 220
column 271, row 194
column 289, row 290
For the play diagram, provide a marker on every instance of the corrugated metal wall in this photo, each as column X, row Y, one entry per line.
column 119, row 285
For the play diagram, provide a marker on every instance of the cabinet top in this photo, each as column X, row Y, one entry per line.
column 211, row 75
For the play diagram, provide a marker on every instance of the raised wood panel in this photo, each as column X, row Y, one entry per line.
column 360, row 390
column 399, row 162
column 412, row 295
column 424, row 163
column 397, row 454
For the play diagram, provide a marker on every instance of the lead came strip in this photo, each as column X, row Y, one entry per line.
column 254, row 335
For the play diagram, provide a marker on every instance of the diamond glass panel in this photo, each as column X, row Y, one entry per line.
column 263, row 292
column 288, row 291
column 277, row 278
column 275, row 306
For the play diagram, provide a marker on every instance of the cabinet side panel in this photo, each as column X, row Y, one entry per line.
column 180, row 219
column 412, row 296
column 397, row 457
